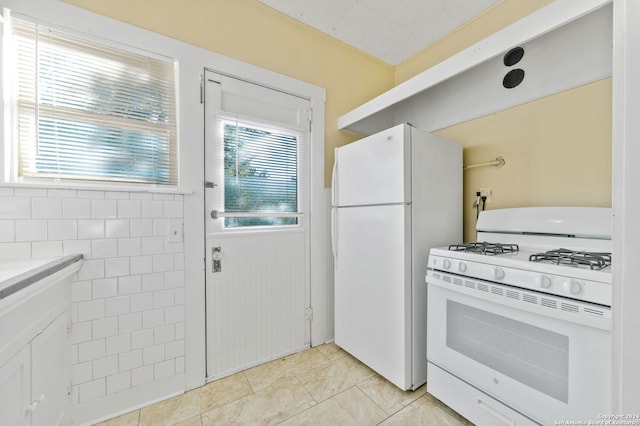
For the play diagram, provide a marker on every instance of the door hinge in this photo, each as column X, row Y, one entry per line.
column 201, row 88
column 68, row 328
column 69, row 389
column 308, row 313
column 310, row 117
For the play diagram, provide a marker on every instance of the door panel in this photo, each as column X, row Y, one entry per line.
column 49, row 353
column 256, row 299
column 15, row 389
column 251, row 100
column 255, row 308
column 373, row 288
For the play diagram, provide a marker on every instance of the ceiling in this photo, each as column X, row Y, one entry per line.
column 390, row 30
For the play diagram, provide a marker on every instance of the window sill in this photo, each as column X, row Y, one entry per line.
column 93, row 186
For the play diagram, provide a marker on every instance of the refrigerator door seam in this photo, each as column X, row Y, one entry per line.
column 334, row 179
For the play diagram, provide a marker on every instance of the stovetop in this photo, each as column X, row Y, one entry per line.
column 594, row 260
column 575, row 281
column 485, row 248
column 521, row 259
column 564, row 251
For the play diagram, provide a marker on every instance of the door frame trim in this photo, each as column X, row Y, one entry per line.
column 217, row 87
column 194, row 264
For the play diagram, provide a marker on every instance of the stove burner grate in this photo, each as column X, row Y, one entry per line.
column 594, row 260
column 485, row 248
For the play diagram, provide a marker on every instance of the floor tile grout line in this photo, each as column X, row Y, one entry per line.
column 322, row 402
column 406, row 407
column 372, row 400
column 226, row 403
column 306, row 390
column 334, row 395
column 244, row 374
column 306, row 409
column 281, row 376
column 305, row 366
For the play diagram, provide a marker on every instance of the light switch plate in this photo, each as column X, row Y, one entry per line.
column 174, row 233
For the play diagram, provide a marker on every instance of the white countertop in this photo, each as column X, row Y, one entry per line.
column 18, row 274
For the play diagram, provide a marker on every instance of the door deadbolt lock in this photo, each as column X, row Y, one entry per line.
column 216, row 258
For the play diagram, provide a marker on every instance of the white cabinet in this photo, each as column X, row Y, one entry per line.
column 50, row 375
column 35, row 352
column 15, row 389
column 34, row 383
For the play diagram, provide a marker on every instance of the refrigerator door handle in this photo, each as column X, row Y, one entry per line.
column 334, row 236
column 334, row 179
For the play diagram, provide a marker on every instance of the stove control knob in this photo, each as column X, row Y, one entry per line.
column 572, row 287
column 544, row 281
column 498, row 273
column 446, row 264
column 462, row 266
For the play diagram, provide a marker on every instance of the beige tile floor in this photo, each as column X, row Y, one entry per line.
column 319, row 386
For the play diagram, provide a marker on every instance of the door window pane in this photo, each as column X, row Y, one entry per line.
column 260, row 175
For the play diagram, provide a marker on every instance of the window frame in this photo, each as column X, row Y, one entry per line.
column 223, row 118
column 9, row 154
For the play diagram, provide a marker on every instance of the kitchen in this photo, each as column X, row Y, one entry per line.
column 351, row 79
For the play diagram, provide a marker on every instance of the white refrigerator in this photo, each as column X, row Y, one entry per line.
column 395, row 195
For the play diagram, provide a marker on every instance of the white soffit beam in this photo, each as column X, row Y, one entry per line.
column 540, row 22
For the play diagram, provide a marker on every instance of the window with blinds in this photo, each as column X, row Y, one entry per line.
column 260, row 174
column 89, row 111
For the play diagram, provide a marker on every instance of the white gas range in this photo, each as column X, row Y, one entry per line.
column 519, row 323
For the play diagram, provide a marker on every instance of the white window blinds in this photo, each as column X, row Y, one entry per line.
column 261, row 170
column 85, row 110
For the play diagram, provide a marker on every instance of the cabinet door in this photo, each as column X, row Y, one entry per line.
column 15, row 389
column 50, row 370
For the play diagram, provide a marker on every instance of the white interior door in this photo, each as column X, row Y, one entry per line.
column 257, row 249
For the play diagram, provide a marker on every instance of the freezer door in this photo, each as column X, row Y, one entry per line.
column 373, row 288
column 374, row 170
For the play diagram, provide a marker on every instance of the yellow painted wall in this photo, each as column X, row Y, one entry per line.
column 563, row 141
column 253, row 33
column 557, row 149
column 557, row 152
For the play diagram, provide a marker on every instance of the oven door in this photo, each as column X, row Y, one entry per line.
column 546, row 357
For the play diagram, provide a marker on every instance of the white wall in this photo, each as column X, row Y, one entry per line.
column 626, row 226
column 138, row 310
column 127, row 308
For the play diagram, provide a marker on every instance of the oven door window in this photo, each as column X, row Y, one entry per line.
column 531, row 355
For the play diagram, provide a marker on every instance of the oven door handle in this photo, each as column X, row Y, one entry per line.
column 554, row 307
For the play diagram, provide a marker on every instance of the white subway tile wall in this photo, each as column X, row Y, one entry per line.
column 127, row 307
